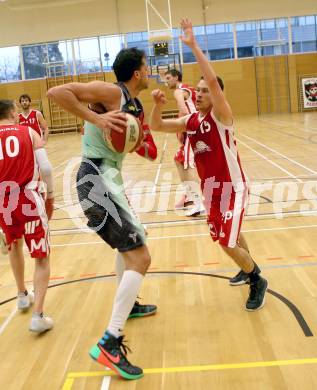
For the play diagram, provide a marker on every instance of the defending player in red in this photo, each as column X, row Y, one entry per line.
column 185, row 97
column 224, row 185
column 23, row 211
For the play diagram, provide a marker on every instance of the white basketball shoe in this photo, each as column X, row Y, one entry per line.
column 40, row 323
column 196, row 210
column 25, row 301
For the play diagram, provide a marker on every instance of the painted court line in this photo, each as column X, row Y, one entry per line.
column 160, row 165
column 280, row 154
column 270, row 161
column 193, row 235
column 8, row 320
column 210, row 367
column 106, row 382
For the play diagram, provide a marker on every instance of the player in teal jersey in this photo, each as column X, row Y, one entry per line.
column 101, row 193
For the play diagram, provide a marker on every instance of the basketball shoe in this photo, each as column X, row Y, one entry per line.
column 25, row 300
column 256, row 298
column 111, row 352
column 139, row 310
column 242, row 277
column 40, row 323
column 183, row 202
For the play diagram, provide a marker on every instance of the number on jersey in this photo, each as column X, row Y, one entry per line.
column 10, row 146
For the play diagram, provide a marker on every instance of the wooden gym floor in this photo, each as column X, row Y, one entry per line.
column 201, row 337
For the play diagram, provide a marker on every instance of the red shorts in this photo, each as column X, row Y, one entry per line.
column 185, row 155
column 225, row 214
column 23, row 215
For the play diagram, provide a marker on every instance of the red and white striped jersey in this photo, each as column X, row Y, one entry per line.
column 31, row 120
column 216, row 155
column 17, row 159
column 191, row 100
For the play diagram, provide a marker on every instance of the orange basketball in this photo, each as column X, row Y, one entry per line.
column 130, row 139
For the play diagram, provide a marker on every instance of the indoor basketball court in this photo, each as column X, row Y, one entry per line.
column 201, row 336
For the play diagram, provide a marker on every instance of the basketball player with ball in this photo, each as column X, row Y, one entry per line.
column 113, row 127
column 211, row 134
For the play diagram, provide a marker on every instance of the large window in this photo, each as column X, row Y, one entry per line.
column 87, row 55
column 47, row 59
column 9, row 64
column 261, row 38
column 304, row 33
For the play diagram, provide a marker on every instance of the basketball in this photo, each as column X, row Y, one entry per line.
column 130, row 139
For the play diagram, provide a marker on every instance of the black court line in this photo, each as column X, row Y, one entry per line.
column 295, row 311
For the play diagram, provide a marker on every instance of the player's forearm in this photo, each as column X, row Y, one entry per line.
column 66, row 99
column 165, row 125
column 156, row 121
column 205, row 66
column 46, row 170
column 45, row 133
column 148, row 147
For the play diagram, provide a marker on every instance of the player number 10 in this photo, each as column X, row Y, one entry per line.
column 11, row 146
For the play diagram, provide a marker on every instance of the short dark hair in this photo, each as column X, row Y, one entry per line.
column 175, row 73
column 127, row 62
column 220, row 82
column 5, row 107
column 25, row 96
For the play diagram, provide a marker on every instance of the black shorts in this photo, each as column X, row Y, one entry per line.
column 108, row 212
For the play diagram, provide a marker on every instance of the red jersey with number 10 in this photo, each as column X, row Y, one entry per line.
column 31, row 120
column 216, row 154
column 17, row 158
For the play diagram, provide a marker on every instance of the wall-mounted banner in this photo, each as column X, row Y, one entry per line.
column 309, row 90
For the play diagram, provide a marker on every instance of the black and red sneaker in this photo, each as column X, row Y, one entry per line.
column 111, row 352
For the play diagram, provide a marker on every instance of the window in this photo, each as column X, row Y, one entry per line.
column 46, row 59
column 219, row 41
column 87, row 55
column 304, row 33
column 139, row 40
column 259, row 38
column 9, row 64
column 110, row 46
column 199, row 30
column 267, row 24
column 211, row 29
column 220, row 28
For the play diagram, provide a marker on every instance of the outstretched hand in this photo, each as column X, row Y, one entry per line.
column 188, row 36
column 158, row 96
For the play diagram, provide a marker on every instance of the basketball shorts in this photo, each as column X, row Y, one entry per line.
column 105, row 205
column 225, row 214
column 185, row 155
column 23, row 215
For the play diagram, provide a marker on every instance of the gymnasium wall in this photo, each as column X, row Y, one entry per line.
column 252, row 85
column 35, row 21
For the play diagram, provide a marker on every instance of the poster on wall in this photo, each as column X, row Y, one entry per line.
column 309, row 88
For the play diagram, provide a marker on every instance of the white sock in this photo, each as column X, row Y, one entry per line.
column 187, row 191
column 124, row 300
column 120, row 266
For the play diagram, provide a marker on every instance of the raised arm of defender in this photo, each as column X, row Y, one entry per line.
column 72, row 96
column 221, row 108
